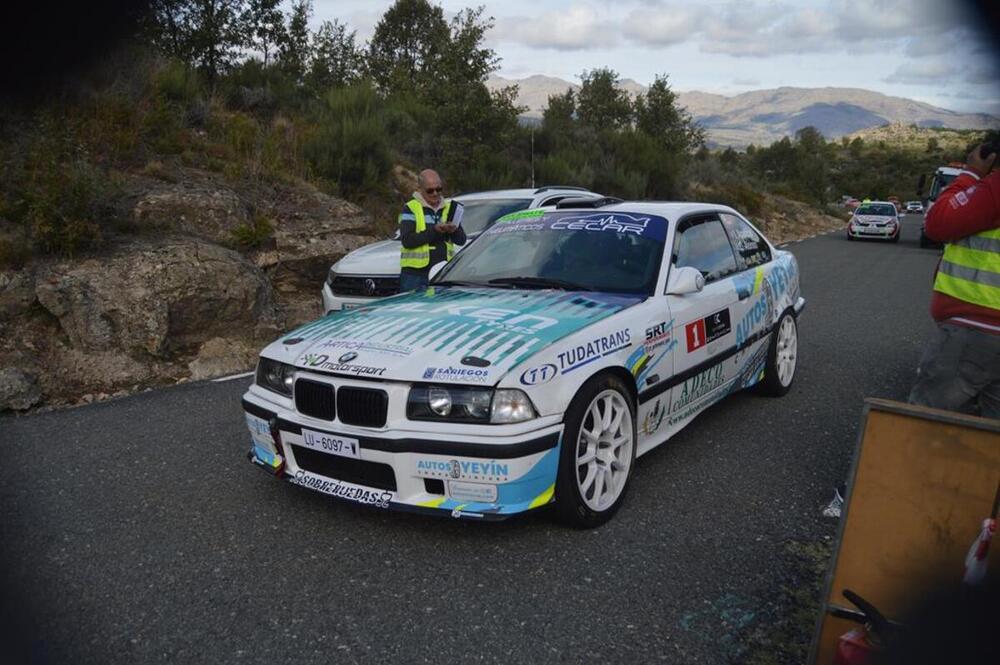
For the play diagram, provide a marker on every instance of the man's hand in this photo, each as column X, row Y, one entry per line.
column 977, row 164
column 445, row 228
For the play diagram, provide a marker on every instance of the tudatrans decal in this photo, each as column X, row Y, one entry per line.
column 461, row 374
column 342, row 489
column 654, row 418
column 490, row 471
column 601, row 346
column 322, row 361
column 699, row 385
column 707, row 330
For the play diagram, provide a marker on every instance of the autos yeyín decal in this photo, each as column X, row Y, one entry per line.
column 499, row 327
column 758, row 317
column 535, row 488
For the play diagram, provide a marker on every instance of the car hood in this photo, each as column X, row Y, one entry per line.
column 444, row 334
column 378, row 258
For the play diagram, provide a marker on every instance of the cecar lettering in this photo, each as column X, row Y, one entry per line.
column 615, row 223
column 508, row 317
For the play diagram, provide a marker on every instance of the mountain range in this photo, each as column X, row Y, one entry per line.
column 764, row 116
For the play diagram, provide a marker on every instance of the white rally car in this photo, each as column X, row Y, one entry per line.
column 538, row 365
column 874, row 219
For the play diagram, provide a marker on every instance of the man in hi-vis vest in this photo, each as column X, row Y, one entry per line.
column 960, row 370
column 429, row 227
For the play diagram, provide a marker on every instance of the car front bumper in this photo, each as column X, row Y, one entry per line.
column 479, row 478
column 883, row 232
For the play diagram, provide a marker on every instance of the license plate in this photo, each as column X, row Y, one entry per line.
column 875, row 231
column 333, row 444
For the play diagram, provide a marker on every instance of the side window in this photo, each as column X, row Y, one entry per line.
column 751, row 249
column 703, row 244
column 551, row 201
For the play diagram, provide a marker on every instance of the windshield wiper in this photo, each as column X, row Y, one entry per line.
column 452, row 282
column 541, row 283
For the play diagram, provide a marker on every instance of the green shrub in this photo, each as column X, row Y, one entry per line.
column 253, row 234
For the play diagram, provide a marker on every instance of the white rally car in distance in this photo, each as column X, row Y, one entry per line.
column 372, row 271
column 874, row 219
column 536, row 367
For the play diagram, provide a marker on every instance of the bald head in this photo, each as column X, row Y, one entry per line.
column 429, row 183
column 428, row 178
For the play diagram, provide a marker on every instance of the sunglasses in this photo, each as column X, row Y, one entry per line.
column 434, row 190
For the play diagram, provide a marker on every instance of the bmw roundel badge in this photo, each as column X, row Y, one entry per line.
column 347, row 357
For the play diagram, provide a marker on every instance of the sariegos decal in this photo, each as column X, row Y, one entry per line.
column 707, row 330
column 458, row 374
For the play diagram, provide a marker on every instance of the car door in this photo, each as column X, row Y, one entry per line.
column 704, row 322
column 757, row 299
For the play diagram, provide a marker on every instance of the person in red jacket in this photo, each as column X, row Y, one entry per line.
column 960, row 370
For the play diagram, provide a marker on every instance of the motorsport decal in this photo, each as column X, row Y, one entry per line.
column 322, row 361
column 654, row 418
column 342, row 490
column 698, row 386
column 659, row 335
column 469, row 374
column 491, row 470
column 583, row 354
column 706, row 330
column 646, row 226
column 374, row 347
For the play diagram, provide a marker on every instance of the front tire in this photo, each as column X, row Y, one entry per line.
column 598, row 453
column 782, row 357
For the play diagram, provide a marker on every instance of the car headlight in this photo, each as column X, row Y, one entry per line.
column 331, row 274
column 275, row 376
column 464, row 404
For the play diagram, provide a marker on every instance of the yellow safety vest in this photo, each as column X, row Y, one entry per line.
column 970, row 269
column 420, row 257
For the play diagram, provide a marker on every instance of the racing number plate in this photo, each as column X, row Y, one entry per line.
column 333, row 444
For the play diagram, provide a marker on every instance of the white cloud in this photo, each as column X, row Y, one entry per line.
column 922, row 73
column 663, row 25
column 577, row 28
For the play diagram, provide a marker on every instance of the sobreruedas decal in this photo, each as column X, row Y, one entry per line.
column 707, row 330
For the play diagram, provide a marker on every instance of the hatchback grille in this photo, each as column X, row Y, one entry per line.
column 362, row 406
column 359, row 472
column 369, row 287
column 315, row 399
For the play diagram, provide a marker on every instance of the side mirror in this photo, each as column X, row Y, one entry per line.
column 435, row 269
column 683, row 281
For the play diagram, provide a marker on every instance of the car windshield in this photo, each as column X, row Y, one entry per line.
column 885, row 209
column 592, row 251
column 478, row 214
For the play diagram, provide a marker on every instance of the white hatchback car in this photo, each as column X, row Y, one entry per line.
column 874, row 219
column 372, row 271
column 536, row 367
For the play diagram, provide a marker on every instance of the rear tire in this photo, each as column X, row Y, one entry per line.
column 598, row 453
column 782, row 357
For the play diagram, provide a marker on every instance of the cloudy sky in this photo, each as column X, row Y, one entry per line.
column 920, row 49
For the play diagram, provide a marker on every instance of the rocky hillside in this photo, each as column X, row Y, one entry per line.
column 177, row 301
column 764, row 116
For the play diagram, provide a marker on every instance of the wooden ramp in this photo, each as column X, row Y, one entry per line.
column 921, row 484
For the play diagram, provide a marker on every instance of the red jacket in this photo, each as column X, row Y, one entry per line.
column 967, row 206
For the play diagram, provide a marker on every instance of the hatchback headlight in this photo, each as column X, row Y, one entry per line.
column 464, row 404
column 275, row 376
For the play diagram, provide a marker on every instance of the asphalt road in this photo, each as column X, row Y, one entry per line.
column 135, row 531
